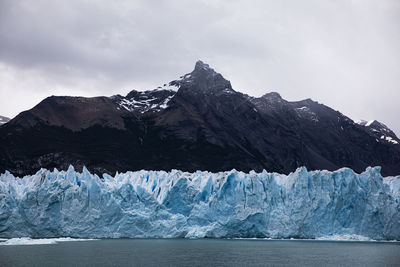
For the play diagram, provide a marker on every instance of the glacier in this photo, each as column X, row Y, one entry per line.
column 231, row 204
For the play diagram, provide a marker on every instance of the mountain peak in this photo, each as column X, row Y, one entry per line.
column 201, row 65
column 202, row 79
column 272, row 95
column 203, row 68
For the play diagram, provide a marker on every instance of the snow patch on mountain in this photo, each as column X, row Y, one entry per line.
column 145, row 101
column 389, row 139
column 306, row 112
column 380, row 131
column 364, row 122
column 169, row 86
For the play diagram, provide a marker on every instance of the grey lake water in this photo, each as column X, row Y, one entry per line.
column 203, row 252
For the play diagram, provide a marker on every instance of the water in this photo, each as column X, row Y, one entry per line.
column 206, row 252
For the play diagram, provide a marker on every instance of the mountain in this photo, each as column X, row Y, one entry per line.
column 3, row 120
column 380, row 131
column 198, row 122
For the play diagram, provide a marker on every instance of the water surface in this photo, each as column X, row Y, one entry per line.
column 203, row 252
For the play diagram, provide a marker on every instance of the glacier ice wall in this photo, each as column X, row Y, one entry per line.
column 202, row 204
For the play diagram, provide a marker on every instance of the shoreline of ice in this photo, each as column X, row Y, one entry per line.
column 22, row 241
column 19, row 241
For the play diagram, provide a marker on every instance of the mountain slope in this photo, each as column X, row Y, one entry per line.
column 3, row 120
column 380, row 131
column 197, row 122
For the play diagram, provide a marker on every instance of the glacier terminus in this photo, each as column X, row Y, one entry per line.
column 230, row 204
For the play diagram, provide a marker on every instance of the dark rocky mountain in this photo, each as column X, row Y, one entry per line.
column 381, row 132
column 3, row 120
column 195, row 123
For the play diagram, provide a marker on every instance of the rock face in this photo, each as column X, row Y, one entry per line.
column 3, row 120
column 381, row 132
column 197, row 122
column 317, row 204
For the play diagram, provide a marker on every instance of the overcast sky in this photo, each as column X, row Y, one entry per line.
column 342, row 53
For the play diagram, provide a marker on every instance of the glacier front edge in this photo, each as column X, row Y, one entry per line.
column 232, row 204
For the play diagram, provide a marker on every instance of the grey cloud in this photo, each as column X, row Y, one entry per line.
column 341, row 53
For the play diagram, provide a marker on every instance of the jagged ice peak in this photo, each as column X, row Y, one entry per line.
column 302, row 204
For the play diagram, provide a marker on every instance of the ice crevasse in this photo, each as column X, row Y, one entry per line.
column 303, row 204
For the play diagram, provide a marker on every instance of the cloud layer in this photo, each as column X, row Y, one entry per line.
column 341, row 53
